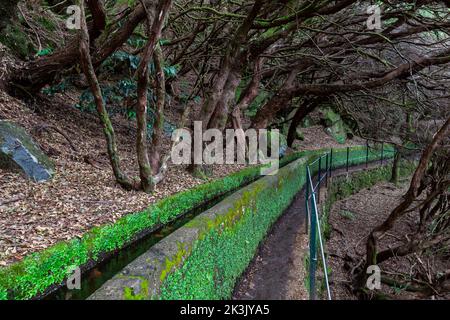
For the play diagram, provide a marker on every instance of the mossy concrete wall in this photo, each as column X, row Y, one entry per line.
column 204, row 258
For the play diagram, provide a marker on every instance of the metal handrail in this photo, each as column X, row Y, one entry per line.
column 312, row 220
column 316, row 223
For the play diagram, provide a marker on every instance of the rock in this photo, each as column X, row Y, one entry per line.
column 19, row 152
column 338, row 132
column 282, row 142
column 329, row 117
column 307, row 122
column 334, row 125
column 299, row 134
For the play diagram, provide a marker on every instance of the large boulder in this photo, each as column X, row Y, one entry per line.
column 19, row 152
column 334, row 125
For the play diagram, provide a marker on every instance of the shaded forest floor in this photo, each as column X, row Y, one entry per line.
column 352, row 219
column 83, row 194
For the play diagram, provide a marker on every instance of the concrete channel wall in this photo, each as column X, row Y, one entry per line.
column 204, row 258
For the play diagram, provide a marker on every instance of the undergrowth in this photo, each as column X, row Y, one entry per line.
column 38, row 271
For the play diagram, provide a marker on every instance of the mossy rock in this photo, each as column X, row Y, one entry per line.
column 329, row 117
column 307, row 122
column 334, row 125
column 282, row 142
column 203, row 172
column 338, row 132
column 299, row 134
column 18, row 152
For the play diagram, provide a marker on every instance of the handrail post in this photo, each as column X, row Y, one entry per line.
column 327, row 171
column 367, row 153
column 331, row 161
column 307, row 186
column 314, row 234
column 312, row 252
column 348, row 156
column 322, row 251
column 319, row 177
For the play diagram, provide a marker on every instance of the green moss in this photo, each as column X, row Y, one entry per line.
column 176, row 261
column 222, row 252
column 347, row 214
column 228, row 244
column 129, row 293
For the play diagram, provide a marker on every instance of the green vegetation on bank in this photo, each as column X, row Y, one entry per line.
column 343, row 187
column 209, row 267
column 38, row 271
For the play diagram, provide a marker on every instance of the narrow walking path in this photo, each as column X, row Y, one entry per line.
column 278, row 270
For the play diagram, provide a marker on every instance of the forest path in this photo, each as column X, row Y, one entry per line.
column 277, row 271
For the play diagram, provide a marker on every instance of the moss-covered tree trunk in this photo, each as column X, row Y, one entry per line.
column 158, row 128
column 248, row 95
column 88, row 69
column 307, row 107
column 220, row 115
column 35, row 74
column 154, row 34
column 279, row 100
column 232, row 57
column 211, row 111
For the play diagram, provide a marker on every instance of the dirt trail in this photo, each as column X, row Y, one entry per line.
column 278, row 270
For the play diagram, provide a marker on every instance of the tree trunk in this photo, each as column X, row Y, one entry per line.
column 408, row 199
column 108, row 130
column 279, row 101
column 301, row 113
column 158, row 128
column 232, row 56
column 98, row 16
column 249, row 95
column 236, row 119
column 210, row 114
column 145, row 169
column 220, row 116
column 396, row 166
column 34, row 75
